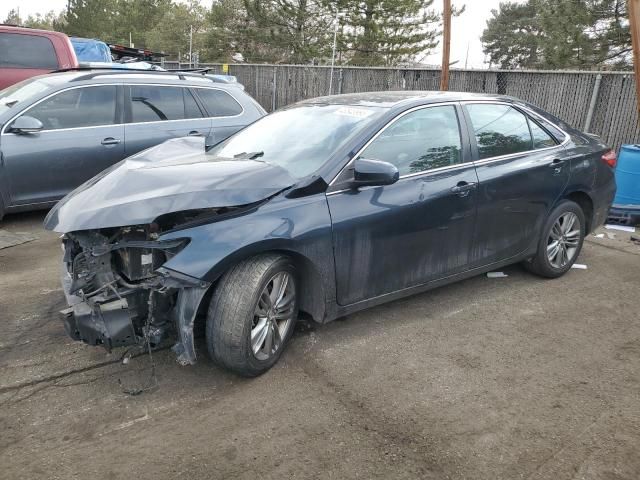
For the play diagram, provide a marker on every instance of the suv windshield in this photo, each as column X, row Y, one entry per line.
column 299, row 139
column 20, row 92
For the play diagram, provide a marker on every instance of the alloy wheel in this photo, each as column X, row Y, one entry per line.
column 273, row 315
column 564, row 240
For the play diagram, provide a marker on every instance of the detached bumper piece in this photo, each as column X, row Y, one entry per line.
column 109, row 324
column 624, row 215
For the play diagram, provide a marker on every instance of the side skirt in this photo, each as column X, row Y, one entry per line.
column 335, row 311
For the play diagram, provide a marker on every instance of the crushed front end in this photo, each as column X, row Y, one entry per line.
column 120, row 295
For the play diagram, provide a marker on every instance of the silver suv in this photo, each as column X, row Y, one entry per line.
column 61, row 129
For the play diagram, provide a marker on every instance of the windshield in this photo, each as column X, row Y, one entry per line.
column 299, row 139
column 20, row 92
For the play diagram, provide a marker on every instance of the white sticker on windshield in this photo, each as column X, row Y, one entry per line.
column 354, row 112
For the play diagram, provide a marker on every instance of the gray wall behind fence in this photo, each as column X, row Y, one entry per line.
column 566, row 94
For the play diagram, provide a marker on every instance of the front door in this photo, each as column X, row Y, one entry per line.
column 419, row 229
column 81, row 136
column 522, row 170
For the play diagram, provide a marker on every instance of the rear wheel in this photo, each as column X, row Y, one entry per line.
column 252, row 314
column 561, row 241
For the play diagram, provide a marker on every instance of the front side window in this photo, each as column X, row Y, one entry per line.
column 151, row 103
column 219, row 103
column 499, row 130
column 18, row 50
column 419, row 141
column 78, row 107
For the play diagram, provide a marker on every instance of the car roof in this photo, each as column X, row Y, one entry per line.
column 7, row 28
column 388, row 99
column 84, row 76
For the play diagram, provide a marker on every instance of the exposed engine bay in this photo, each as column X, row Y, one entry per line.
column 119, row 293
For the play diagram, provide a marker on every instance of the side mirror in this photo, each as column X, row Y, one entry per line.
column 26, row 125
column 373, row 173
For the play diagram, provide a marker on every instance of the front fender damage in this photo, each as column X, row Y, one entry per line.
column 185, row 312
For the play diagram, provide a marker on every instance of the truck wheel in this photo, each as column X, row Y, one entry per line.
column 252, row 314
column 561, row 241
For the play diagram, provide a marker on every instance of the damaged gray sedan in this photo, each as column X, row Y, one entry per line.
column 319, row 210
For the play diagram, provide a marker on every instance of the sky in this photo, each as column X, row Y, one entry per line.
column 465, row 31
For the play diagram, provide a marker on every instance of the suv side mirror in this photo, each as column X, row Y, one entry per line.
column 26, row 125
column 373, row 173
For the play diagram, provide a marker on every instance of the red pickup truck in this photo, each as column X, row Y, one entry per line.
column 27, row 52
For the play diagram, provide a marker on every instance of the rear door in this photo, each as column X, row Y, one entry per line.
column 522, row 170
column 155, row 113
column 225, row 111
column 388, row 238
column 82, row 135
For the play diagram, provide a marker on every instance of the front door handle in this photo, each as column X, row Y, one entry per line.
column 110, row 141
column 195, row 133
column 556, row 166
column 462, row 189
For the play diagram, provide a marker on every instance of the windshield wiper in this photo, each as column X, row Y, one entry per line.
column 249, row 156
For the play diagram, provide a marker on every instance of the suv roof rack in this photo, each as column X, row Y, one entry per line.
column 97, row 71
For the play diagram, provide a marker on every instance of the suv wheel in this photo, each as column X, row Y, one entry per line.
column 561, row 241
column 252, row 314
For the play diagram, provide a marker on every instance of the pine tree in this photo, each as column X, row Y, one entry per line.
column 555, row 34
column 385, row 32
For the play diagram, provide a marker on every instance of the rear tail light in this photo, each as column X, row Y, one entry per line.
column 610, row 158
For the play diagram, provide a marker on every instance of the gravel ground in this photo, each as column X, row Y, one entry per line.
column 506, row 378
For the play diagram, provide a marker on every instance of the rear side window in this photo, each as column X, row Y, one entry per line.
column 541, row 139
column 499, row 129
column 191, row 108
column 219, row 103
column 79, row 107
column 150, row 103
column 27, row 51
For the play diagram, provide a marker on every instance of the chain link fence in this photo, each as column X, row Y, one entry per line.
column 598, row 102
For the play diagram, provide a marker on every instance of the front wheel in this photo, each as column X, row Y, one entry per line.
column 561, row 241
column 252, row 314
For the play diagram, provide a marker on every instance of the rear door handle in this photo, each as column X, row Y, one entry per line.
column 556, row 165
column 110, row 141
column 195, row 133
column 462, row 189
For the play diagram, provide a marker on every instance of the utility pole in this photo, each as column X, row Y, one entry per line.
column 333, row 52
column 190, row 46
column 634, row 26
column 446, row 44
column 466, row 58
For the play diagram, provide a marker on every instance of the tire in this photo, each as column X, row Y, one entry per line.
column 569, row 239
column 246, row 313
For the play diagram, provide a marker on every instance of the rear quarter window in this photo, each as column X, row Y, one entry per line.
column 219, row 103
column 18, row 50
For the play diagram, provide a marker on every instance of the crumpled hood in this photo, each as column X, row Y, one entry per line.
column 174, row 176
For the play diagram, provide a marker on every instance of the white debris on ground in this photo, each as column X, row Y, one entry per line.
column 622, row 228
column 579, row 266
column 496, row 275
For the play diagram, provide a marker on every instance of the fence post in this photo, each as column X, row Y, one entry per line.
column 592, row 104
column 274, row 84
column 340, row 81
